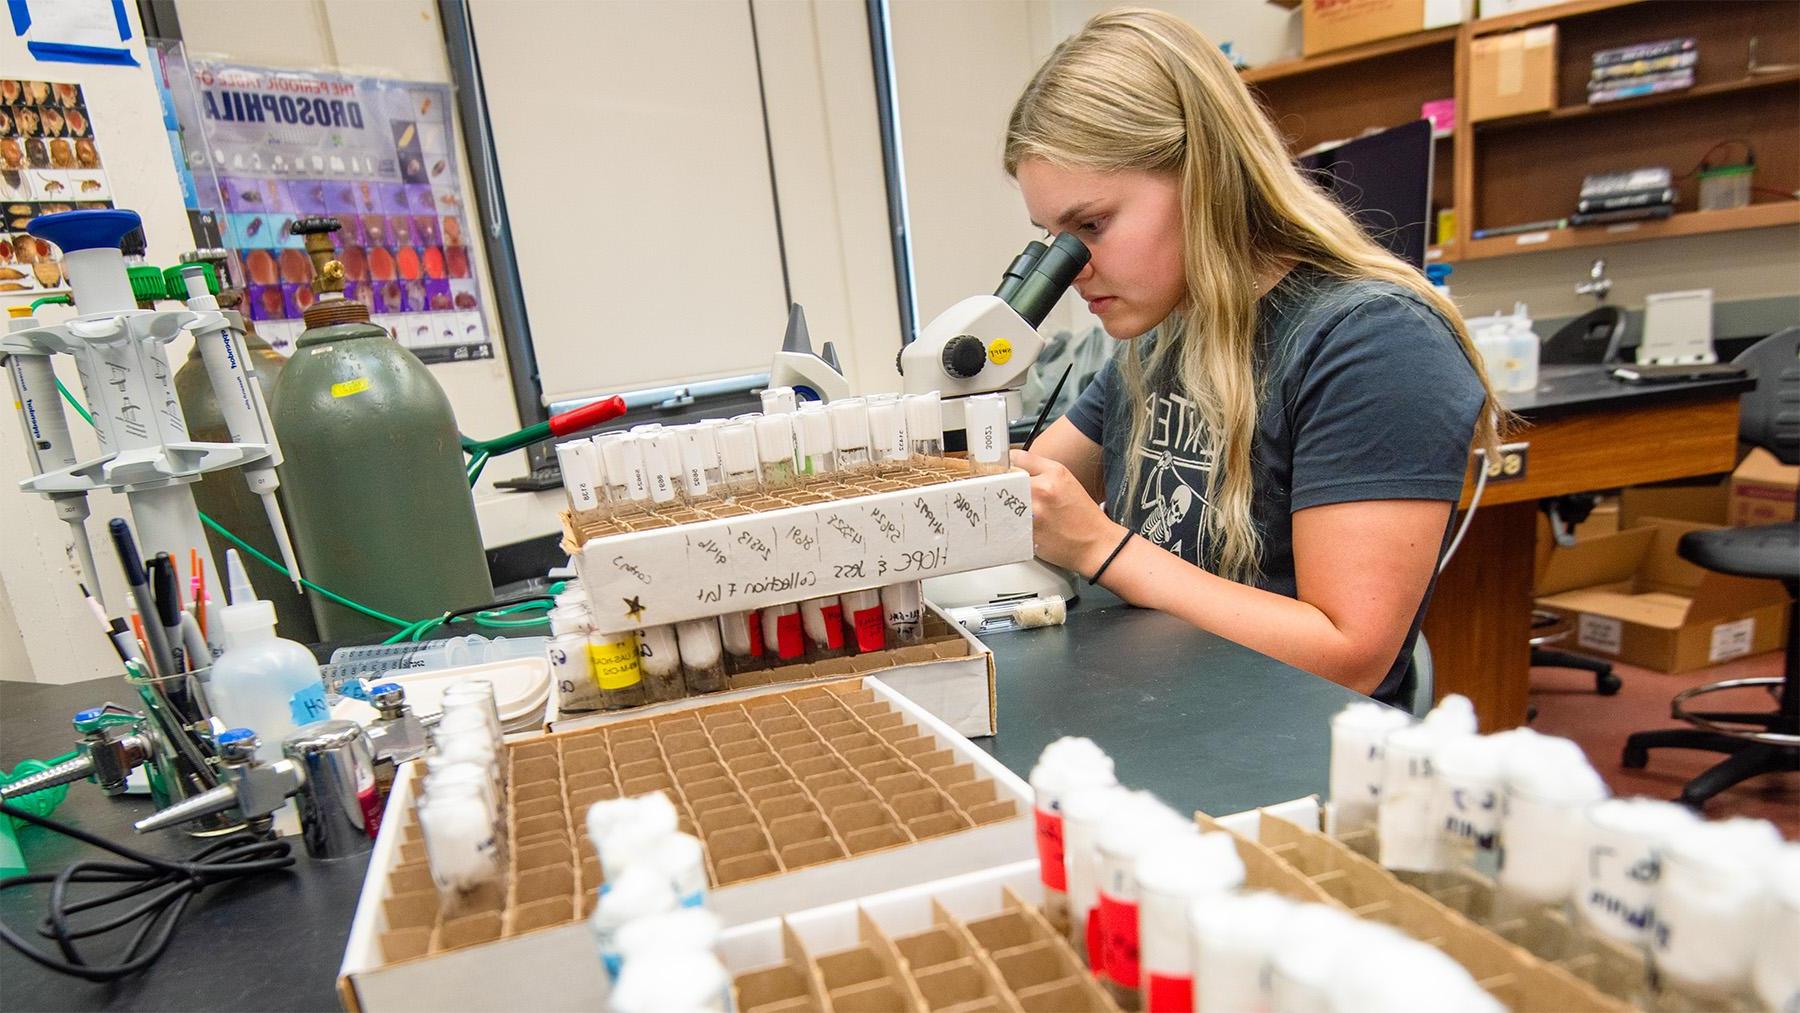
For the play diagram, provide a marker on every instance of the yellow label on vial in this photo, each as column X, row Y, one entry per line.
column 616, row 664
column 1000, row 351
column 348, row 387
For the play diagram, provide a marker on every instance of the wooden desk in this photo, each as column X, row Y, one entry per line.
column 1584, row 432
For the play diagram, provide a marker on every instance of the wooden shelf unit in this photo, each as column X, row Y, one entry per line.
column 1529, row 168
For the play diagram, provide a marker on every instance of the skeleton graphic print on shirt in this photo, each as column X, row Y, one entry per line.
column 1174, row 469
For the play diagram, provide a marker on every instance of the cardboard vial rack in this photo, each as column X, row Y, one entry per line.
column 1308, row 865
column 649, row 568
column 973, row 943
column 802, row 797
column 949, row 673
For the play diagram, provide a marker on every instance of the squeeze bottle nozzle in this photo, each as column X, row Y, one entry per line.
column 241, row 591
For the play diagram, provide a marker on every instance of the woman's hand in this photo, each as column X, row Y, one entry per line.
column 1068, row 528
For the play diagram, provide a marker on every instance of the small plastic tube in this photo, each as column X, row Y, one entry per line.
column 1235, row 936
column 866, row 618
column 476, row 695
column 888, row 439
column 1064, row 767
column 903, row 612
column 639, row 892
column 1172, row 873
column 990, row 445
column 784, row 638
column 813, row 442
column 925, row 423
column 663, row 467
column 462, row 736
column 659, row 655
column 850, row 432
column 822, row 620
column 1085, row 812
column 742, row 634
column 461, row 847
column 1616, row 894
column 699, row 462
column 580, row 463
column 1304, row 965
column 742, row 475
column 617, row 669
column 1471, row 787
column 775, row 451
column 1543, row 822
column 778, row 400
column 1129, row 829
column 680, row 857
column 702, row 655
column 442, row 772
column 1774, row 971
column 685, row 929
column 662, row 981
column 1357, row 732
column 572, row 672
column 622, row 459
column 1710, row 908
column 1408, row 824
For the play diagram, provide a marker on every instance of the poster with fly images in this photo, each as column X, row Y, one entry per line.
column 379, row 155
column 49, row 162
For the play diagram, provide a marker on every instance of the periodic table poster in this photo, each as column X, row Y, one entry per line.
column 377, row 154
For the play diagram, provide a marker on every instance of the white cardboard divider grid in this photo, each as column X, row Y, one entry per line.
column 479, row 977
column 640, row 579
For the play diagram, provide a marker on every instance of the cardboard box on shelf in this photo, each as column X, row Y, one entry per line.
column 1497, row 8
column 1512, row 74
column 801, row 797
column 1762, row 490
column 1633, row 598
column 1326, row 25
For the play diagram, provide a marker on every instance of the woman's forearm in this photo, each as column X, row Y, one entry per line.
column 1283, row 628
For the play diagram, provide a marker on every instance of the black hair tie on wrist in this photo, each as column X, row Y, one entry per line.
column 1095, row 579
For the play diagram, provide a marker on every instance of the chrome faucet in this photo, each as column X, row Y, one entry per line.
column 1598, row 284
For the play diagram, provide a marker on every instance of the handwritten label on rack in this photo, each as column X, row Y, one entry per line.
column 965, row 521
column 927, row 516
column 842, row 538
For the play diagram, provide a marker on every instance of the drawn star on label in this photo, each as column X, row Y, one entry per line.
column 634, row 608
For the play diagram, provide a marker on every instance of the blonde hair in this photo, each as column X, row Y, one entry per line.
column 1144, row 90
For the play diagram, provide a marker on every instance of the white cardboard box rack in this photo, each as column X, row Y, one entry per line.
column 702, row 568
column 555, row 967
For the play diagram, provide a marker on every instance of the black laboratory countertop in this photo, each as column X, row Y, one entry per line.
column 1202, row 722
column 1571, row 390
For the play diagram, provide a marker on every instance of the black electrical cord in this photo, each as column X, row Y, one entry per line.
column 169, row 884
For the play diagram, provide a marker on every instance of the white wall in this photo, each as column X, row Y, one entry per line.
column 46, row 632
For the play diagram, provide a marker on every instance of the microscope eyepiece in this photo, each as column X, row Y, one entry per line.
column 1050, row 276
column 1021, row 268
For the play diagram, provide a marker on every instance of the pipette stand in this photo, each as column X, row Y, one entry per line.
column 120, row 353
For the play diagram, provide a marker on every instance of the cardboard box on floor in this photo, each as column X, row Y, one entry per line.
column 1326, row 25
column 1762, row 491
column 1633, row 598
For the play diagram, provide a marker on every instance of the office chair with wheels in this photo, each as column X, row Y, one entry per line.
column 1759, row 742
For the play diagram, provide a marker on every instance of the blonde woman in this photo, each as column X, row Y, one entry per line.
column 1274, row 451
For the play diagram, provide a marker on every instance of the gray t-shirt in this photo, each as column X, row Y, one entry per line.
column 1365, row 395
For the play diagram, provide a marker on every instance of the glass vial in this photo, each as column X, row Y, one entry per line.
column 580, row 463
column 659, row 653
column 850, row 431
column 888, row 442
column 783, row 639
column 984, row 417
column 617, row 669
column 743, row 639
column 814, row 446
column 702, row 655
column 777, row 400
column 775, row 452
column 742, row 475
column 925, row 424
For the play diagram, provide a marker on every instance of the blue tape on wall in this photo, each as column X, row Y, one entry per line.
column 67, row 52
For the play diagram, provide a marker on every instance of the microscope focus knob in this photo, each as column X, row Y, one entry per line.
column 964, row 355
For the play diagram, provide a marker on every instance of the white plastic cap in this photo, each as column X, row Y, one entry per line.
column 887, row 431
column 812, row 431
column 253, row 616
column 849, row 423
column 984, row 416
column 925, row 416
column 779, row 400
column 737, row 446
column 775, row 439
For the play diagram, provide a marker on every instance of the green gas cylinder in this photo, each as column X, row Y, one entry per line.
column 374, row 481
column 223, row 495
